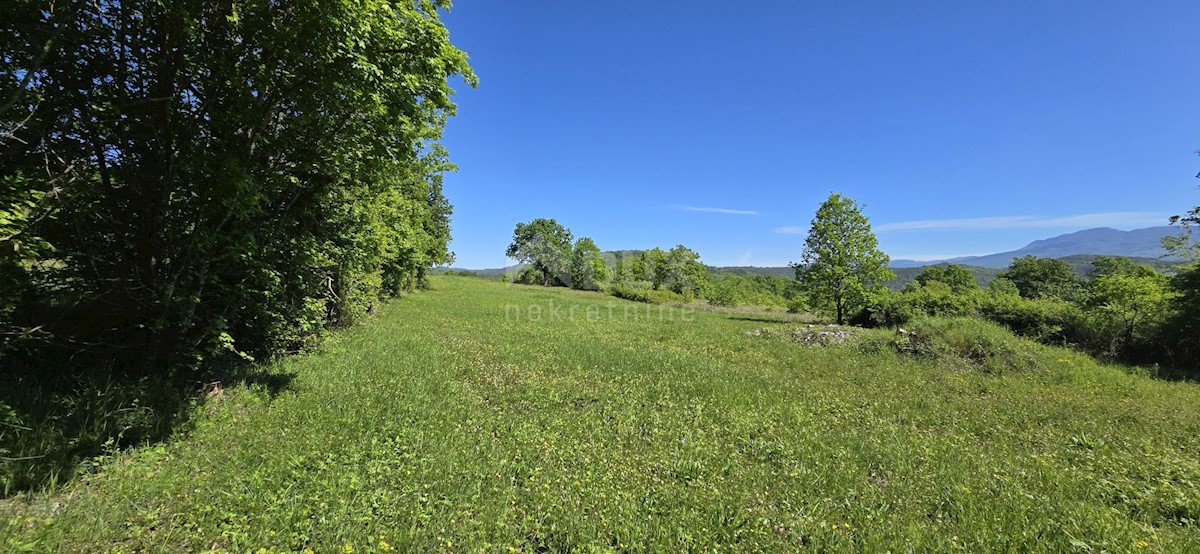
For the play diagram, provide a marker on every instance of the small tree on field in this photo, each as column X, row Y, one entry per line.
column 545, row 245
column 588, row 270
column 841, row 262
column 683, row 273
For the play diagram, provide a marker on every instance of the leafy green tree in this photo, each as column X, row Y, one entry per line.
column 588, row 269
column 1038, row 277
column 629, row 269
column 960, row 279
column 1184, row 245
column 657, row 272
column 195, row 178
column 1003, row 287
column 684, row 274
column 545, row 245
column 1130, row 302
column 1103, row 266
column 1183, row 326
column 841, row 262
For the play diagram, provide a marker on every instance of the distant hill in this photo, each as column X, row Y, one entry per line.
column 1143, row 246
column 1138, row 243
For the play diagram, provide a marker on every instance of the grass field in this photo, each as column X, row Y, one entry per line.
column 486, row 417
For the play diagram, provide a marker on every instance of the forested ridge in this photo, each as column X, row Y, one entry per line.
column 188, row 185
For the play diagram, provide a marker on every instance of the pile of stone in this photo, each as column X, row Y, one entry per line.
column 809, row 335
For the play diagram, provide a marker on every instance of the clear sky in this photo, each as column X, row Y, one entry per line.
column 964, row 127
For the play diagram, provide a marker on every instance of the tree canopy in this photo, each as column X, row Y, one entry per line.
column 958, row 278
column 1038, row 277
column 545, row 245
column 185, row 179
column 841, row 261
column 588, row 269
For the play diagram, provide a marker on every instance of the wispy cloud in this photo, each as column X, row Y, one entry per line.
column 790, row 230
column 715, row 210
column 745, row 259
column 1106, row 219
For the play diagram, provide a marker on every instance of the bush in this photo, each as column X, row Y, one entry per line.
column 647, row 295
column 1046, row 319
column 969, row 341
column 890, row 309
column 743, row 290
column 798, row 305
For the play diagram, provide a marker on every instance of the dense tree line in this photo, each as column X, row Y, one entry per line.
column 1122, row 310
column 186, row 181
column 551, row 256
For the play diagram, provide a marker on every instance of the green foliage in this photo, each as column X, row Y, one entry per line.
column 1049, row 319
column 186, row 186
column 648, row 295
column 1003, row 287
column 178, row 172
column 841, row 262
column 1105, row 266
column 960, row 279
column 588, row 270
column 1185, row 245
column 678, row 270
column 983, row 276
column 732, row 290
column 1129, row 306
column 970, row 342
column 798, row 305
column 545, row 245
column 1182, row 327
column 630, row 269
column 936, row 298
column 1044, row 278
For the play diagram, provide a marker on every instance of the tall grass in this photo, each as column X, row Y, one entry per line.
column 452, row 423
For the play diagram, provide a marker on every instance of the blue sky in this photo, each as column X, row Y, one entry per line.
column 963, row 127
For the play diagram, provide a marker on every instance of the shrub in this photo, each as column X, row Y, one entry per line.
column 969, row 341
column 798, row 305
column 647, row 295
column 1045, row 319
column 890, row 309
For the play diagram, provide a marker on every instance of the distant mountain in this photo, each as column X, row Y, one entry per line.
column 1138, row 243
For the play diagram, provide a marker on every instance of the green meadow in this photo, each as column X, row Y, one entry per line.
column 484, row 417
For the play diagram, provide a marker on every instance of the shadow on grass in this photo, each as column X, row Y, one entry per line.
column 764, row 319
column 53, row 422
column 272, row 383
